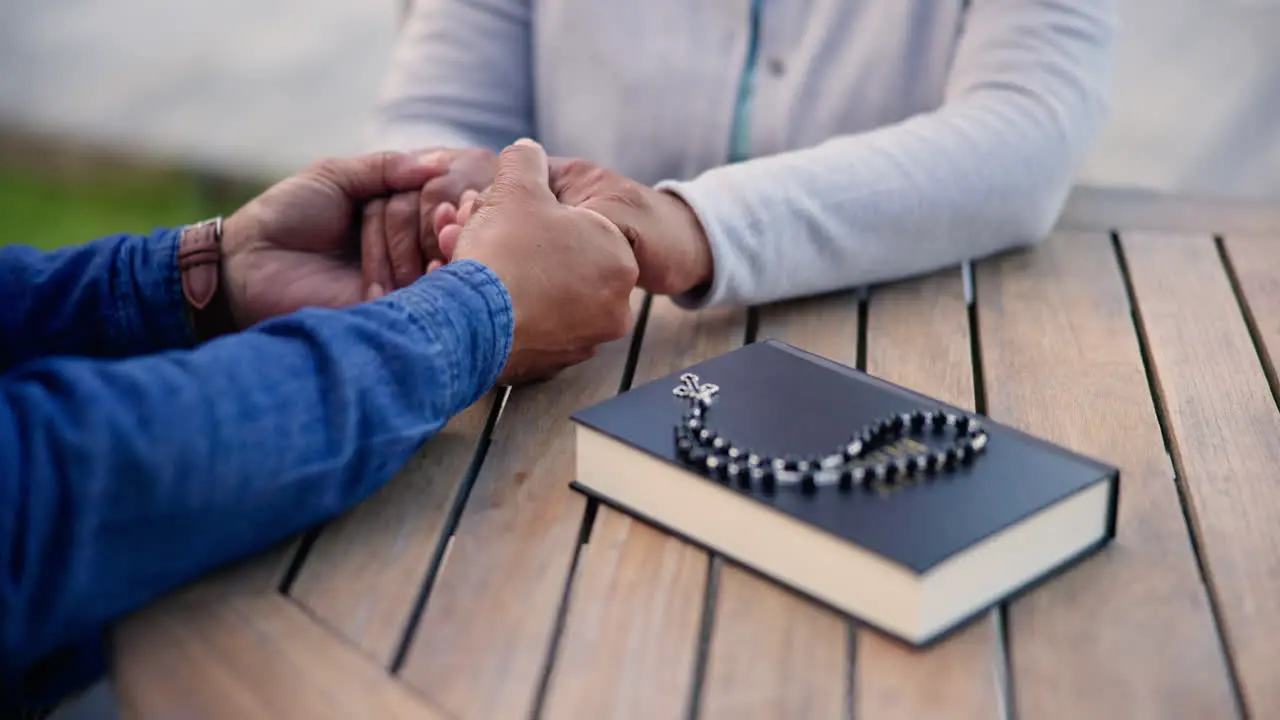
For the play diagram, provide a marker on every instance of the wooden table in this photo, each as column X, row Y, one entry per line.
column 476, row 585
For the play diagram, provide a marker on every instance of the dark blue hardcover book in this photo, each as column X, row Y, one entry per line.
column 909, row 514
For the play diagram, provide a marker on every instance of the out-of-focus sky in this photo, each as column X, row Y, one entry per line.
column 261, row 87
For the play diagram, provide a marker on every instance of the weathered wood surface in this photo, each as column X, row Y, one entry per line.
column 482, row 641
column 1224, row 430
column 630, row 645
column 443, row 598
column 1130, row 632
column 364, row 573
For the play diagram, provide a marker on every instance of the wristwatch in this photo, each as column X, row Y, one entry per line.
column 200, row 269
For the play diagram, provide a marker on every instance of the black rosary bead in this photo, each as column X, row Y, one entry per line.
column 697, row 456
column 952, row 456
column 891, row 472
column 763, row 476
column 703, row 448
column 925, row 461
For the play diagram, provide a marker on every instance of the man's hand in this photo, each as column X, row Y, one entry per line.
column 297, row 245
column 569, row 271
column 400, row 244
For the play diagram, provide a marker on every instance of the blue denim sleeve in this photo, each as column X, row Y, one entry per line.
column 120, row 480
column 114, row 297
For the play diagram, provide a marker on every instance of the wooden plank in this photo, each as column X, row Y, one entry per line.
column 1107, row 209
column 1128, row 633
column 774, row 654
column 629, row 645
column 482, row 642
column 249, row 656
column 365, row 571
column 256, row 577
column 1256, row 262
column 918, row 337
column 1224, row 427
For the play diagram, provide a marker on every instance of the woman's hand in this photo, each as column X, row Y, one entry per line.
column 665, row 233
column 400, row 242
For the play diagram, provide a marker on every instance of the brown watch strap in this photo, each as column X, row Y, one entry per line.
column 200, row 268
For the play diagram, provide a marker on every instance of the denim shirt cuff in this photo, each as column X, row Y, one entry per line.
column 467, row 302
column 150, row 311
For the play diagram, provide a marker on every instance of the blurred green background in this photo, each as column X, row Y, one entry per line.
column 52, row 196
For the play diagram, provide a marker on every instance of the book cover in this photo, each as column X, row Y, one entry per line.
column 781, row 400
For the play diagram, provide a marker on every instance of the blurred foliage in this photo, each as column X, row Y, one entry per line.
column 51, row 197
column 51, row 212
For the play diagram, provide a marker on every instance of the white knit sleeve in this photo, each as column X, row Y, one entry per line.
column 987, row 171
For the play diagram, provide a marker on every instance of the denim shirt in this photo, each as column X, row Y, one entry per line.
column 131, row 463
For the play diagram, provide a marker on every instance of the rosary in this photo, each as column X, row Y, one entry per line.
column 715, row 455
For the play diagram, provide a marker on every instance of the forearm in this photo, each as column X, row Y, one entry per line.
column 987, row 171
column 441, row 92
column 114, row 297
column 122, row 480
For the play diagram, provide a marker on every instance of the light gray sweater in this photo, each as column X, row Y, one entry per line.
column 889, row 138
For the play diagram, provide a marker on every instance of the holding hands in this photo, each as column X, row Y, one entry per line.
column 399, row 242
column 316, row 239
column 666, row 236
column 569, row 240
column 569, row 271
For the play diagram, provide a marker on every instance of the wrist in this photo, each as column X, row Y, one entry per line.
column 700, row 263
column 200, row 266
column 467, row 302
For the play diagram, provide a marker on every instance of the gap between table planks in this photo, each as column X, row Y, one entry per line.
column 772, row 653
column 364, row 573
column 1129, row 632
column 1223, row 424
column 918, row 336
column 249, row 656
column 632, row 633
column 481, row 644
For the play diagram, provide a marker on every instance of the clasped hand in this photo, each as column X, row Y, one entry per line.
column 569, row 270
column 415, row 232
